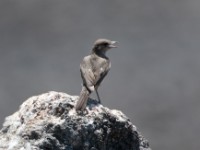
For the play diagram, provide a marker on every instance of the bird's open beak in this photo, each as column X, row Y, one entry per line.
column 113, row 44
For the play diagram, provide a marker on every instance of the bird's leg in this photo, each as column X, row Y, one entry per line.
column 98, row 96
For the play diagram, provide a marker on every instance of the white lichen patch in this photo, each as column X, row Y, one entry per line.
column 119, row 115
column 13, row 143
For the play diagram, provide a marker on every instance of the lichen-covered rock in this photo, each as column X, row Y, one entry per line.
column 50, row 122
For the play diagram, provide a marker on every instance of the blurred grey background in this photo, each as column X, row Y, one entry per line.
column 155, row 75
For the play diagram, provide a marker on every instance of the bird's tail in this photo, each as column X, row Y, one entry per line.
column 84, row 95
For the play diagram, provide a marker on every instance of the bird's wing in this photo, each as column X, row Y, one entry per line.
column 87, row 73
column 103, row 74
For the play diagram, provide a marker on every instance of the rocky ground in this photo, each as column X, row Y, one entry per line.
column 50, row 122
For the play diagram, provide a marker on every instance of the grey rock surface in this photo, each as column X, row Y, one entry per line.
column 50, row 122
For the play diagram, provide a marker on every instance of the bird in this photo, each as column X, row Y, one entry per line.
column 94, row 68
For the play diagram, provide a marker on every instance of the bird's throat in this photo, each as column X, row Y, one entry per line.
column 100, row 53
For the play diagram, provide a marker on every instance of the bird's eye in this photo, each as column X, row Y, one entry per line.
column 105, row 44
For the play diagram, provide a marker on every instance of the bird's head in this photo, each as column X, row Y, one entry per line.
column 103, row 45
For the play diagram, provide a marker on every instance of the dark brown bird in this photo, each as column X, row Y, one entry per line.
column 94, row 68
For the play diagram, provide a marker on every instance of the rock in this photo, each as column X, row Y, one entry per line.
column 50, row 122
